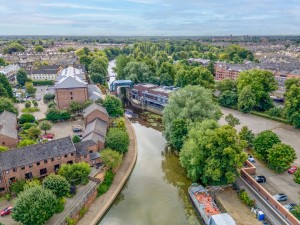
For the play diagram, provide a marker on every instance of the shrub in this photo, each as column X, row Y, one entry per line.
column 297, row 176
column 76, row 173
column 76, row 139
column 104, row 186
column 27, row 104
column 82, row 211
column 57, row 184
column 247, row 135
column 70, row 221
column 246, row 199
column 48, row 97
column 42, row 82
column 51, row 104
column 26, row 118
column 275, row 112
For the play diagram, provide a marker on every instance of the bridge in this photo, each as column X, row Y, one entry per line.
column 120, row 83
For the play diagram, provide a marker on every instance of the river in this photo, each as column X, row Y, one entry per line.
column 156, row 192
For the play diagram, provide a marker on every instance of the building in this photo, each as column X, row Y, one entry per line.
column 294, row 74
column 68, row 89
column 203, row 62
column 95, row 111
column 151, row 95
column 77, row 70
column 10, row 72
column 8, row 129
column 44, row 73
column 230, row 71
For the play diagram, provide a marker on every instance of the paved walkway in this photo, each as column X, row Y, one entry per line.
column 102, row 204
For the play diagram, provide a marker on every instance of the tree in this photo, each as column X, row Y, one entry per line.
column 3, row 92
column 30, row 89
column 178, row 133
column 45, row 125
column 5, row 84
column 137, row 72
column 297, row 176
column 292, row 101
column 265, row 141
column 262, row 83
column 296, row 210
column 38, row 48
column 112, row 159
column 212, row 154
column 98, row 70
column 57, row 184
column 34, row 133
column 35, row 103
column 246, row 99
column 76, row 139
column 191, row 103
column 231, row 120
column 211, row 67
column 228, row 99
column 26, row 118
column 3, row 148
column 120, row 123
column 97, row 78
column 117, row 140
column 26, row 142
column 76, row 173
column 2, row 62
column 8, row 105
column 113, row 106
column 55, row 115
column 48, row 97
column 34, row 206
column 280, row 156
column 247, row 135
column 21, row 77
column 75, row 107
column 27, row 104
column 121, row 63
column 13, row 47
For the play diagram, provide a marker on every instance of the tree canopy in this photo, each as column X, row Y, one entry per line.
column 57, row 184
column 8, row 105
column 76, row 173
column 112, row 159
column 21, row 77
column 4, row 83
column 265, row 141
column 117, row 139
column 292, row 101
column 113, row 106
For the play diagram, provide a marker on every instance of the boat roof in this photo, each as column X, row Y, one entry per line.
column 223, row 219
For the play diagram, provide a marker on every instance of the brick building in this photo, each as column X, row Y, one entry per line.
column 95, row 111
column 68, row 89
column 8, row 129
column 230, row 71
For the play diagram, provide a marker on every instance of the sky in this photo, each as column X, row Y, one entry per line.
column 150, row 17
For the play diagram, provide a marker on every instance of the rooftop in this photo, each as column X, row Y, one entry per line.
column 70, row 82
column 8, row 124
column 98, row 126
column 93, row 107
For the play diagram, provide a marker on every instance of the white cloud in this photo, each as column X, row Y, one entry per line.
column 77, row 6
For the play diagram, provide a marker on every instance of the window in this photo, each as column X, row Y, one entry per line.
column 14, row 169
column 91, row 151
column 3, row 143
column 52, row 159
column 38, row 163
column 30, row 165
column 43, row 171
column 71, row 93
column 22, row 167
column 66, row 155
column 71, row 98
column 45, row 161
column 72, row 154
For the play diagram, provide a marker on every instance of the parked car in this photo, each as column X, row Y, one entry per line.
column 280, row 197
column 48, row 136
column 6, row 211
column 77, row 130
column 38, row 99
column 292, row 170
column 251, row 159
column 290, row 206
column 260, row 179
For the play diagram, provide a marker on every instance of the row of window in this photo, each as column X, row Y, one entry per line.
column 38, row 163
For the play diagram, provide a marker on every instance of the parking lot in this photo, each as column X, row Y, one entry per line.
column 64, row 129
column 7, row 220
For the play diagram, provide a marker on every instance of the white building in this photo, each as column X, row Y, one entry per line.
column 10, row 71
column 74, row 71
column 44, row 73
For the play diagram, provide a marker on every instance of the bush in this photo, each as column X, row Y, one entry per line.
column 297, row 176
column 48, row 97
column 55, row 115
column 76, row 173
column 70, row 221
column 76, row 139
column 27, row 104
column 82, row 211
column 228, row 99
column 51, row 104
column 61, row 205
column 247, row 135
column 42, row 82
column 104, row 186
column 26, row 118
column 117, row 140
column 57, row 184
column 246, row 199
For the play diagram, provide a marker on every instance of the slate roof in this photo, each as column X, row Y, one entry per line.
column 52, row 69
column 94, row 155
column 8, row 124
column 94, row 137
column 94, row 92
column 295, row 72
column 93, row 107
column 81, row 147
column 98, row 126
column 34, row 153
column 70, row 82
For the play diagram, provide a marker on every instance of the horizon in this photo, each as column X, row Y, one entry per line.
column 150, row 18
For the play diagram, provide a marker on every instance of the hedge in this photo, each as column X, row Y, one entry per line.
column 42, row 82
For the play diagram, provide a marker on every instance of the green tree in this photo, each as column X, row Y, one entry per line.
column 112, row 159
column 246, row 100
column 38, row 48
column 117, row 140
column 75, row 107
column 3, row 148
column 292, row 101
column 211, row 67
column 297, row 176
column 2, row 62
column 231, row 120
column 26, row 142
column 113, row 106
column 3, row 92
column 212, row 153
column 280, row 156
column 262, row 83
column 34, row 133
column 27, row 104
column 57, row 184
column 191, row 103
column 265, row 141
column 48, row 97
column 45, row 125
column 98, row 70
column 228, row 99
column 5, row 84
column 21, row 77
column 34, row 206
column 121, row 62
column 13, row 47
column 247, row 135
column 76, row 173
column 26, row 118
column 120, row 123
column 8, row 105
column 35, row 103
column 76, row 139
column 178, row 133
column 30, row 89
column 137, row 72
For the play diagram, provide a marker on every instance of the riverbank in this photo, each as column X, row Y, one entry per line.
column 102, row 204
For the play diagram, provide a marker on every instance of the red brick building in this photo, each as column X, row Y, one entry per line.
column 95, row 111
column 8, row 129
column 68, row 89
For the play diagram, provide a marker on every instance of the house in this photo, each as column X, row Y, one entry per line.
column 8, row 129
column 10, row 71
column 44, row 73
column 230, row 71
column 75, row 71
column 93, row 112
column 202, row 62
column 294, row 74
column 68, row 89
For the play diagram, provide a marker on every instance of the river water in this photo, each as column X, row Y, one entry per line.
column 156, row 192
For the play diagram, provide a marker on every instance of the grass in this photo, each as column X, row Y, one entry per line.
column 30, row 110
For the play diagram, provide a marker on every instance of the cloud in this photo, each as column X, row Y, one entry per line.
column 77, row 6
